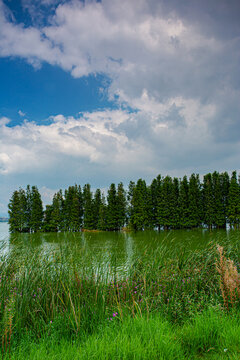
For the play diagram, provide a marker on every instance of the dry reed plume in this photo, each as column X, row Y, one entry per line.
column 229, row 279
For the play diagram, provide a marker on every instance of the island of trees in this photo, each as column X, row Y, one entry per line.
column 168, row 203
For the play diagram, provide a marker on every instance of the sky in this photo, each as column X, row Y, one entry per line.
column 115, row 90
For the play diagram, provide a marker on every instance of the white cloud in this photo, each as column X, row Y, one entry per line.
column 180, row 78
column 143, row 48
column 21, row 113
column 146, row 141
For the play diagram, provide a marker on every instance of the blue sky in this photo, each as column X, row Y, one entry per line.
column 114, row 90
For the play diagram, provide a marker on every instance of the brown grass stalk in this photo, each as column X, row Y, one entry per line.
column 229, row 279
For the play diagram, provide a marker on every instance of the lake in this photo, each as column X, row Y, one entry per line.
column 112, row 250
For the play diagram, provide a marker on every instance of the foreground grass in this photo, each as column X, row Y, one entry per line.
column 212, row 335
column 169, row 306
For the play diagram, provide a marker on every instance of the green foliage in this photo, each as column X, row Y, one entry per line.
column 139, row 219
column 218, row 197
column 234, row 201
column 25, row 210
column 168, row 307
column 97, row 202
column 88, row 222
column 57, row 215
column 121, row 206
column 36, row 217
column 16, row 212
column 184, row 203
column 112, row 208
column 208, row 200
column 168, row 203
column 210, row 335
column 194, row 202
column 102, row 219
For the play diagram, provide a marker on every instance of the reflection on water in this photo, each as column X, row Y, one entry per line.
column 113, row 250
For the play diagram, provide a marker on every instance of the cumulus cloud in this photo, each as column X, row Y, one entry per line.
column 138, row 44
column 174, row 71
column 21, row 113
column 143, row 142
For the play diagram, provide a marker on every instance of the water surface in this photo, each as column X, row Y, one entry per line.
column 114, row 249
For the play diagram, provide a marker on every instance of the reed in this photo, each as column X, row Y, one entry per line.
column 229, row 279
column 57, row 294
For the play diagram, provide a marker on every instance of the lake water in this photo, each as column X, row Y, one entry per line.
column 115, row 250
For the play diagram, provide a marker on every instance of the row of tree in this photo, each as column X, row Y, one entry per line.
column 168, row 203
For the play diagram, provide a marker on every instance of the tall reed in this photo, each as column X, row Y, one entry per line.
column 229, row 279
column 60, row 294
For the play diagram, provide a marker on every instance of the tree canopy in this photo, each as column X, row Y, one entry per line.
column 167, row 203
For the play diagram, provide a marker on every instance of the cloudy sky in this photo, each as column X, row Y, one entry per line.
column 114, row 90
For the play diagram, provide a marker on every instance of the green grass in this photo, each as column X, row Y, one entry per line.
column 210, row 335
column 169, row 306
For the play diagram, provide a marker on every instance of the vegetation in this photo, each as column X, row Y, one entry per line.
column 166, row 204
column 172, row 304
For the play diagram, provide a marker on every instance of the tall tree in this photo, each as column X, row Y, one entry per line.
column 234, row 201
column 156, row 201
column 88, row 207
column 47, row 220
column 121, row 206
column 208, row 200
column 17, row 211
column 36, row 210
column 112, row 208
column 184, row 203
column 224, row 183
column 166, row 203
column 102, row 220
column 139, row 216
column 175, row 221
column 28, row 208
column 219, row 212
column 97, row 201
column 57, row 215
column 194, row 202
column 131, row 187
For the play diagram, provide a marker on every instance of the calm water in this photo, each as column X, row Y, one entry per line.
column 115, row 250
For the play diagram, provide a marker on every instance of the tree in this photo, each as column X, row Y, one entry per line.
column 97, row 201
column 121, row 206
column 77, row 209
column 131, row 187
column 154, row 192
column 234, row 201
column 224, row 183
column 156, row 189
column 47, row 220
column 175, row 204
column 17, row 211
column 139, row 217
column 208, row 200
column 165, row 206
column 112, row 209
column 88, row 208
column 184, row 203
column 36, row 210
column 57, row 214
column 194, row 202
column 219, row 211
column 28, row 208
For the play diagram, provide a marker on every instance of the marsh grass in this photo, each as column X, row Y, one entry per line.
column 209, row 335
column 229, row 279
column 56, row 297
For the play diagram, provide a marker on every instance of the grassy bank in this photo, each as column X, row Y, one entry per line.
column 212, row 335
column 172, row 304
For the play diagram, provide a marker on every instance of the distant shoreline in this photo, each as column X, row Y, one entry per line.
column 3, row 219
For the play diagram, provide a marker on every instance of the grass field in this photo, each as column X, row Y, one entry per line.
column 172, row 304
